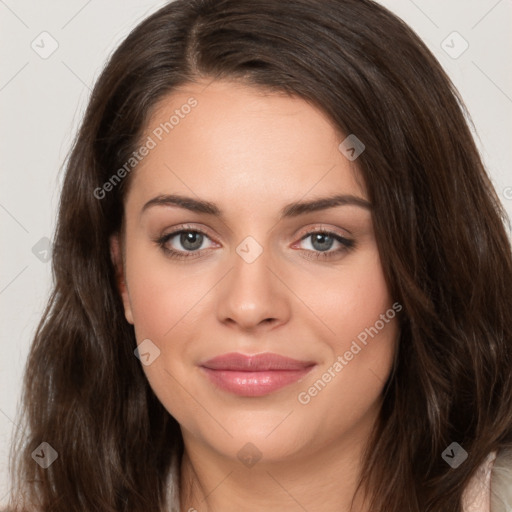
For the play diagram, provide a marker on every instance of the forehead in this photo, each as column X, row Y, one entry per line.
column 226, row 137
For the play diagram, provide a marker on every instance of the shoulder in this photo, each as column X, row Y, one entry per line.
column 501, row 482
column 490, row 489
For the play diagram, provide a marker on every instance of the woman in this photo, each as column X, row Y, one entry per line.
column 336, row 337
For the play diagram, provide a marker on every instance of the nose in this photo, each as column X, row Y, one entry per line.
column 253, row 295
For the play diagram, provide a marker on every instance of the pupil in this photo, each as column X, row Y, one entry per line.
column 191, row 240
column 321, row 237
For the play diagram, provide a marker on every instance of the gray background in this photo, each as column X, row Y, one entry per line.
column 42, row 101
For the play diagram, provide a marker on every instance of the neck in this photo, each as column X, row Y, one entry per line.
column 324, row 479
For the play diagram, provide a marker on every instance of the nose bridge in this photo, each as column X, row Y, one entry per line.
column 252, row 294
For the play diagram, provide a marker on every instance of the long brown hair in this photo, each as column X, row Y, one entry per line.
column 439, row 227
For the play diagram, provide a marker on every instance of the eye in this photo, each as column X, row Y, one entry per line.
column 183, row 241
column 189, row 243
column 322, row 241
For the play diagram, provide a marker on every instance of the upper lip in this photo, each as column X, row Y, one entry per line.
column 267, row 361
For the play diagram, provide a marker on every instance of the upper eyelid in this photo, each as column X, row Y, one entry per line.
column 186, row 229
column 321, row 229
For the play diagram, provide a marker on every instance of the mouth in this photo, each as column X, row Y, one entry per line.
column 255, row 375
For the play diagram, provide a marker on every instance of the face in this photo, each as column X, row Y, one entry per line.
column 232, row 267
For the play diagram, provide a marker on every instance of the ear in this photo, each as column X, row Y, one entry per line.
column 117, row 260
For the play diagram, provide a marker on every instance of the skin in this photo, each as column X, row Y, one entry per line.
column 251, row 153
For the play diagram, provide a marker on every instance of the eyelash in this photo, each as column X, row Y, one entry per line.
column 347, row 245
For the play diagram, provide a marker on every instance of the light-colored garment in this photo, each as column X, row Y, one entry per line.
column 501, row 482
column 477, row 496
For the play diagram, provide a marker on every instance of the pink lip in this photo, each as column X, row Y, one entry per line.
column 255, row 375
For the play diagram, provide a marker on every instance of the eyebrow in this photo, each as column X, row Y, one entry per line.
column 290, row 210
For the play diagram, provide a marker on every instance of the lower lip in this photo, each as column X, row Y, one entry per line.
column 254, row 383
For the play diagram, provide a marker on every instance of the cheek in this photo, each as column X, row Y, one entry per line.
column 345, row 301
column 162, row 293
column 166, row 306
column 362, row 340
